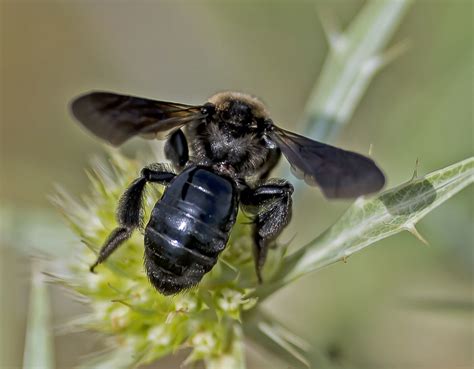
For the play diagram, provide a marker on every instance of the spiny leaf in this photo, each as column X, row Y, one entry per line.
column 370, row 220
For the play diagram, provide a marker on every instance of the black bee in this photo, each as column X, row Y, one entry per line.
column 233, row 146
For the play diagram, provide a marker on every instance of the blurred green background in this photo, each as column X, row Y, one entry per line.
column 398, row 305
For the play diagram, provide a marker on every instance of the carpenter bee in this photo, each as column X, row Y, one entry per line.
column 223, row 152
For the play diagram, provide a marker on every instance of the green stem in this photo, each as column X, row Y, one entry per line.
column 354, row 58
column 39, row 351
column 235, row 359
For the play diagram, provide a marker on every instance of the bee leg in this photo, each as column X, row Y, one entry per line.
column 273, row 205
column 129, row 211
column 176, row 149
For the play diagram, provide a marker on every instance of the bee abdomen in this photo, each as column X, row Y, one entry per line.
column 185, row 233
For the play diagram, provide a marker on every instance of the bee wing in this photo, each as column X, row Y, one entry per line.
column 116, row 118
column 339, row 173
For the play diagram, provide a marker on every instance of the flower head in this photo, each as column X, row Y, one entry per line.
column 206, row 318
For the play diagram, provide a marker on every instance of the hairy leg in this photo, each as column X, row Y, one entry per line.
column 272, row 203
column 130, row 209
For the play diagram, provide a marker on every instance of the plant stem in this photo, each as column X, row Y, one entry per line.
column 354, row 58
column 39, row 351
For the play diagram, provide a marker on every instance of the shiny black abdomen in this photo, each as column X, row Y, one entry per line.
column 188, row 228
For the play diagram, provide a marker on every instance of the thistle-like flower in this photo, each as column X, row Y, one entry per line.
column 206, row 319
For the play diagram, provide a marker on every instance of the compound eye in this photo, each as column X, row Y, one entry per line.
column 208, row 109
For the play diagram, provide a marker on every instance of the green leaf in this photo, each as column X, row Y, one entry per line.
column 370, row 220
column 39, row 341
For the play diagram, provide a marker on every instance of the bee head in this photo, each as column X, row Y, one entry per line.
column 237, row 111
